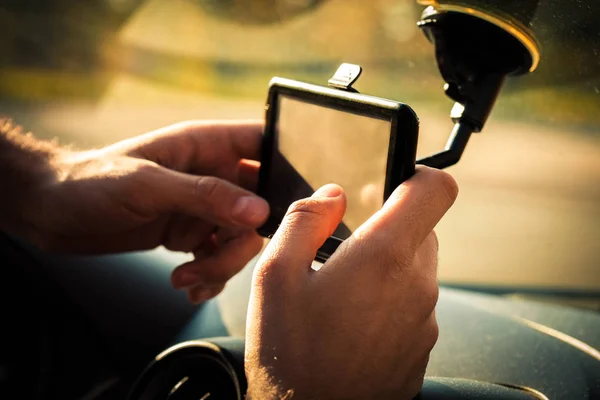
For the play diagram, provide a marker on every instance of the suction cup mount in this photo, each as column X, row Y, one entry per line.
column 475, row 52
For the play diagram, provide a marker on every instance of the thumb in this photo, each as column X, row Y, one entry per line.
column 212, row 199
column 305, row 227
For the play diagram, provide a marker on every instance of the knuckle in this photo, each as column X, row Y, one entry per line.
column 431, row 296
column 307, row 207
column 268, row 269
column 186, row 126
column 307, row 213
column 208, row 187
column 401, row 251
column 144, row 170
column 428, row 297
column 184, row 129
column 271, row 273
column 432, row 334
column 142, row 177
column 433, row 238
column 393, row 259
column 398, row 264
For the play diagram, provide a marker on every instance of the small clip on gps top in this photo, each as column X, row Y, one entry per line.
column 345, row 76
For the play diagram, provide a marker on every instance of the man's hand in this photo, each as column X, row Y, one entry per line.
column 180, row 187
column 362, row 326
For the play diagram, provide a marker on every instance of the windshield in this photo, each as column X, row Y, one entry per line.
column 90, row 73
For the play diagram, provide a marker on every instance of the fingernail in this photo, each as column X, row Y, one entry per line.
column 184, row 278
column 329, row 190
column 250, row 210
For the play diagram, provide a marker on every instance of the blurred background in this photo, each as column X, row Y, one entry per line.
column 528, row 216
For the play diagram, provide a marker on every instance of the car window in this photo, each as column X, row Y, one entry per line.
column 90, row 73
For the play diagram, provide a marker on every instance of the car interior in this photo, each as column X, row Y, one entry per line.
column 519, row 269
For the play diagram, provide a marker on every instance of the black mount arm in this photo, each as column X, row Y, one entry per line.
column 454, row 148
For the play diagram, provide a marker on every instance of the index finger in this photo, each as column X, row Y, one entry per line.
column 197, row 144
column 244, row 137
column 411, row 212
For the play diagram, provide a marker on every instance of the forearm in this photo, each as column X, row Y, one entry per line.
column 25, row 164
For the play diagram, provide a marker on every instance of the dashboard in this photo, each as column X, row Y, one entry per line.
column 88, row 326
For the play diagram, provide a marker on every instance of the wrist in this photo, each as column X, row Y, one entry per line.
column 26, row 166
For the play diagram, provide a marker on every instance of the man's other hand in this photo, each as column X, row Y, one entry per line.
column 186, row 186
